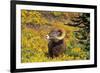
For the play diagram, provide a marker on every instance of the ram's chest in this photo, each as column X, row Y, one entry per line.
column 54, row 45
column 59, row 43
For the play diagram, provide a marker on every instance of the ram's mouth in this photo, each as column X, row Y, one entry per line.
column 47, row 37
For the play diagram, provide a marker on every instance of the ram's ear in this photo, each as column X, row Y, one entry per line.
column 62, row 34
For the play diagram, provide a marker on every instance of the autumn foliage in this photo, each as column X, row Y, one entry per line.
column 35, row 25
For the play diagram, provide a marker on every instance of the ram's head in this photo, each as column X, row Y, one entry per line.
column 56, row 35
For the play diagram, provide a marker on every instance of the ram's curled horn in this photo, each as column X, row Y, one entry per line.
column 62, row 31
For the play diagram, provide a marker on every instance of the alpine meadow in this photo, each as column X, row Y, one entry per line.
column 36, row 25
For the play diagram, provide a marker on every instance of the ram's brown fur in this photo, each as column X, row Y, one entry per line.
column 56, row 46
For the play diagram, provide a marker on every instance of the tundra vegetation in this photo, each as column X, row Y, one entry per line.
column 35, row 25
